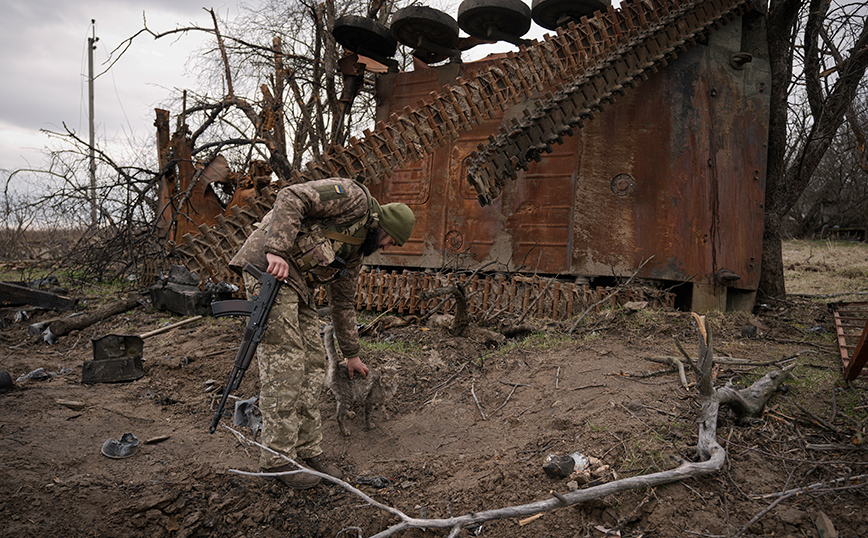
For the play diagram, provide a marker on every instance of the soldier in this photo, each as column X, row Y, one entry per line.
column 317, row 232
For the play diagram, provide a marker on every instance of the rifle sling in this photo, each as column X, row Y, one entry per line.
column 343, row 238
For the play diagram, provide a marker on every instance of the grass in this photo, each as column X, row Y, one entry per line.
column 389, row 346
column 536, row 342
column 826, row 267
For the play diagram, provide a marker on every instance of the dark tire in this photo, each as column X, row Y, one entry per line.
column 511, row 17
column 429, row 57
column 552, row 13
column 361, row 34
column 411, row 23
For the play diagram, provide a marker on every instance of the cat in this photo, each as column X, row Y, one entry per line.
column 373, row 391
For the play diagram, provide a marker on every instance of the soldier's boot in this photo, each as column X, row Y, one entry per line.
column 321, row 464
column 295, row 481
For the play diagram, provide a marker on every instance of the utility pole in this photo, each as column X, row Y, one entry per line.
column 91, row 45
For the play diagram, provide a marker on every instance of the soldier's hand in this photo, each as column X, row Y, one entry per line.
column 277, row 266
column 355, row 364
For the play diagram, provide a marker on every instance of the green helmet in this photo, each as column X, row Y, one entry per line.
column 397, row 220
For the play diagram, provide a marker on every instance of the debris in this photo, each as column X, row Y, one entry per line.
column 116, row 358
column 608, row 532
column 178, row 274
column 824, row 525
column 558, row 466
column 75, row 405
column 36, row 375
column 179, row 292
column 564, row 466
column 244, row 414
column 593, row 470
column 15, row 295
column 5, row 381
column 35, row 329
column 155, row 440
column 530, row 519
column 180, row 299
column 122, row 448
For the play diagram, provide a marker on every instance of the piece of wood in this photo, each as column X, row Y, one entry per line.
column 169, row 327
column 15, row 295
column 530, row 519
column 65, row 326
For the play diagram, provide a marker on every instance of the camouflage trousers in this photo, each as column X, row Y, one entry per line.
column 292, row 364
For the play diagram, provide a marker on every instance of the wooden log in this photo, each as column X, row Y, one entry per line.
column 65, row 326
column 15, row 295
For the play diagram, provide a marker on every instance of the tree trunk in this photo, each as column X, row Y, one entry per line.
column 781, row 20
column 771, row 284
column 786, row 181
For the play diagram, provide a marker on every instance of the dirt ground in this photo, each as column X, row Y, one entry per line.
column 468, row 430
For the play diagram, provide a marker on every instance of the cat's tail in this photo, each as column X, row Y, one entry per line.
column 328, row 338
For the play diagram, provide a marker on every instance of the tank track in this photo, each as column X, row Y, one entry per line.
column 639, row 48
column 587, row 65
column 493, row 295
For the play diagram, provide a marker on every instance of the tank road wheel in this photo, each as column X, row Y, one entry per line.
column 553, row 13
column 495, row 20
column 430, row 57
column 364, row 36
column 427, row 30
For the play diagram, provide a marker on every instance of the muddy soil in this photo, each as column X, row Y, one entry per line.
column 468, row 430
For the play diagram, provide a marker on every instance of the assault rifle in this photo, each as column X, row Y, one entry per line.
column 258, row 310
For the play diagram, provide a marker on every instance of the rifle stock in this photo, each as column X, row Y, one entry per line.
column 258, row 310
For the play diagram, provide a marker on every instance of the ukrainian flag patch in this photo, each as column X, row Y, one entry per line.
column 331, row 192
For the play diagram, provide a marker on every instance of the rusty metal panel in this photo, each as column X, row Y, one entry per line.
column 673, row 171
column 851, row 326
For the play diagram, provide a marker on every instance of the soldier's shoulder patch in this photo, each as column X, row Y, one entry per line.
column 331, row 192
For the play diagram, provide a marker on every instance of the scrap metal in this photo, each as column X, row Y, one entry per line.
column 565, row 78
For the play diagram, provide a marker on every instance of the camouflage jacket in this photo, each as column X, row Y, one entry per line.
column 335, row 202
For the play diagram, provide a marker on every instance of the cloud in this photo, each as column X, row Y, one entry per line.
column 44, row 66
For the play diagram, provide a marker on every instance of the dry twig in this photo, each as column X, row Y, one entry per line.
column 473, row 393
column 609, row 296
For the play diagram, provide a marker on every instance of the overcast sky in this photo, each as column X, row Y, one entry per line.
column 43, row 69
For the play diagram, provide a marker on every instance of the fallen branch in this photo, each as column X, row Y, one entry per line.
column 821, row 487
column 674, row 362
column 583, row 387
column 818, row 486
column 473, row 393
column 514, row 386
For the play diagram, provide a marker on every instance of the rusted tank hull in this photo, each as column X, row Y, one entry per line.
column 667, row 181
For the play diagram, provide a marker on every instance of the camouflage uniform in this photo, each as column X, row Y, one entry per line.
column 291, row 356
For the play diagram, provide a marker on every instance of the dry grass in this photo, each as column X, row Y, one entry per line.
column 826, row 268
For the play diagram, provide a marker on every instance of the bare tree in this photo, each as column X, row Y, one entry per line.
column 799, row 37
column 272, row 90
column 837, row 200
